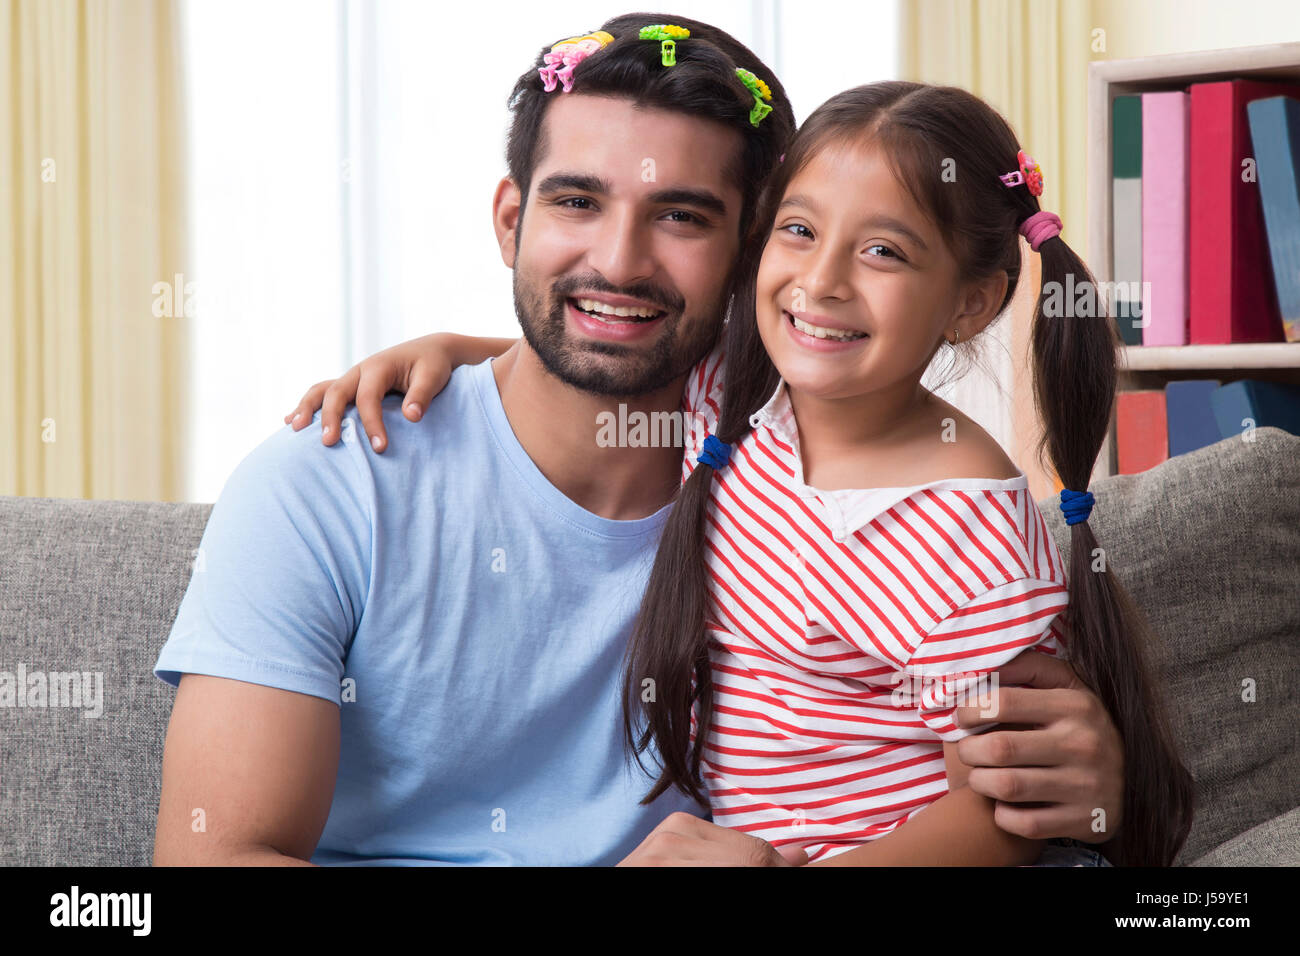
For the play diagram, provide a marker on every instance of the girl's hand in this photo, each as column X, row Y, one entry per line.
column 421, row 368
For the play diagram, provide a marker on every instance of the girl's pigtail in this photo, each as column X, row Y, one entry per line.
column 1110, row 641
column 668, row 674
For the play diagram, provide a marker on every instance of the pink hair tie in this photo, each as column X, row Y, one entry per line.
column 1041, row 225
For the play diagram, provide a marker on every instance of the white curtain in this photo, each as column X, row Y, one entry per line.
column 345, row 159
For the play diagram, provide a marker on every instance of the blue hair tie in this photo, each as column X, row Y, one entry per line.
column 1077, row 505
column 714, row 453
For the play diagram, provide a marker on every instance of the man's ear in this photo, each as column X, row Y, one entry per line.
column 980, row 304
column 506, row 209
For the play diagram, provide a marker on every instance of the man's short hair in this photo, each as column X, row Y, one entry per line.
column 703, row 83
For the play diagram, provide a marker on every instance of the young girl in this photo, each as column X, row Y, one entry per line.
column 850, row 556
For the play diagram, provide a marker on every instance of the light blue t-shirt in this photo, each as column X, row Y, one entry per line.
column 477, row 614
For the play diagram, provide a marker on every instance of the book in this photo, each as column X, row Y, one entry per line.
column 1249, row 403
column 1191, row 421
column 1126, row 216
column 1141, row 430
column 1275, row 137
column 1230, row 298
column 1164, row 218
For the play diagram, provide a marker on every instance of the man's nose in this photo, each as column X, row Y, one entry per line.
column 623, row 252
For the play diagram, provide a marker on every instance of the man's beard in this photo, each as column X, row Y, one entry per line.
column 612, row 368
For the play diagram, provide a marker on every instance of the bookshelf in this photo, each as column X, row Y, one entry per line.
column 1148, row 367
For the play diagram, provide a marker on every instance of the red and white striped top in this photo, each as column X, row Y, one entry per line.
column 846, row 626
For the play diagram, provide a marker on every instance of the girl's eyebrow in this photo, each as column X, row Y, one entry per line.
column 878, row 221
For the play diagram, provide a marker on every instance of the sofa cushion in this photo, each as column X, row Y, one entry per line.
column 91, row 587
column 1208, row 545
column 1275, row 842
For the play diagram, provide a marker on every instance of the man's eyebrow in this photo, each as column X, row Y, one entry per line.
column 678, row 195
column 684, row 196
column 883, row 222
column 583, row 182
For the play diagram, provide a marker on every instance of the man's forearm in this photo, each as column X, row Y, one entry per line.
column 955, row 830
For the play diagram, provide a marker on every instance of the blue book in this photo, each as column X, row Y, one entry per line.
column 1192, row 424
column 1265, row 404
column 1275, row 138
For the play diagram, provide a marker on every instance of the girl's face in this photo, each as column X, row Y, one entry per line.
column 856, row 288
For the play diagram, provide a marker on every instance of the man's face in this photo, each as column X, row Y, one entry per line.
column 629, row 212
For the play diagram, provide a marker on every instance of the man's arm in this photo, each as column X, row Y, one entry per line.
column 247, row 777
column 1067, row 758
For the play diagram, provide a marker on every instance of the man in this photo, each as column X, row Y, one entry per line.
column 414, row 657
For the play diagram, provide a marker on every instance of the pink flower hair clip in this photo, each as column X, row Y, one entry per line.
column 1029, row 173
column 567, row 54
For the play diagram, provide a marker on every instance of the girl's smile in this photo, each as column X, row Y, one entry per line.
column 821, row 333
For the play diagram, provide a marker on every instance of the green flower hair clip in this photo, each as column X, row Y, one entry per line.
column 668, row 34
column 761, row 92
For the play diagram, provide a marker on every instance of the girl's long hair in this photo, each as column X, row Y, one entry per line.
column 928, row 133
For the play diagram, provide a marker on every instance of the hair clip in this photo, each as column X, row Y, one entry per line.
column 567, row 54
column 1029, row 173
column 761, row 92
column 668, row 34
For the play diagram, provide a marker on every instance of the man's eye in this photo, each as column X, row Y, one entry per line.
column 565, row 202
column 690, row 216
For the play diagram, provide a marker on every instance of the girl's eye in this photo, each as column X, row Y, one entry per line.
column 892, row 253
column 798, row 225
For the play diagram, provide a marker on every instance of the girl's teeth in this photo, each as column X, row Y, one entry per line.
column 816, row 331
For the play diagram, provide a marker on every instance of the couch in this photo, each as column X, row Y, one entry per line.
column 1208, row 544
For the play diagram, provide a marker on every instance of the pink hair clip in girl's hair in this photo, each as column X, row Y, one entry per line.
column 567, row 54
column 1029, row 173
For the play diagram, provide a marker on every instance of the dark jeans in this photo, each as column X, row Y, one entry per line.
column 1070, row 853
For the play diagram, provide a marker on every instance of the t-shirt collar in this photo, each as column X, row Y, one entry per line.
column 848, row 511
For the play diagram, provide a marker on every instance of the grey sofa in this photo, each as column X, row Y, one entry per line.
column 1208, row 543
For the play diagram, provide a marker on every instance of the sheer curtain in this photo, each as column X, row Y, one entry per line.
column 345, row 160
column 92, row 228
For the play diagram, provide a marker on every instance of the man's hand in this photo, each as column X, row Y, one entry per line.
column 685, row 840
column 1066, row 761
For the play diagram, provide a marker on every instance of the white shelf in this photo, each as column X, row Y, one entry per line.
column 1145, row 358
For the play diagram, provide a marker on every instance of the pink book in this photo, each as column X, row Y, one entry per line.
column 1164, row 218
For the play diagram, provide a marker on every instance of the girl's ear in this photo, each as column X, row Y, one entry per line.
column 980, row 302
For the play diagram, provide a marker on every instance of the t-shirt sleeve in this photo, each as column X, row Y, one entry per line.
column 951, row 665
column 702, row 403
column 281, row 573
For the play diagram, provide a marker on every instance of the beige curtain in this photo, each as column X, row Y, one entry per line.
column 93, row 233
column 1029, row 60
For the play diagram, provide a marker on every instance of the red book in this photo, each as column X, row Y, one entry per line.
column 1141, row 430
column 1230, row 286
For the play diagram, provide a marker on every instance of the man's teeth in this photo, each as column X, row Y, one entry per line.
column 818, row 332
column 600, row 309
